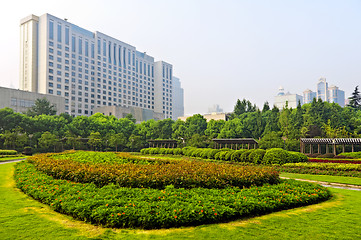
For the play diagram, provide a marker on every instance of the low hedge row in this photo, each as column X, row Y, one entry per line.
column 334, row 169
column 8, row 152
column 113, row 206
column 320, row 160
column 185, row 174
column 257, row 156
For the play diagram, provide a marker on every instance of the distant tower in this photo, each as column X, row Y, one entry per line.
column 281, row 91
column 322, row 89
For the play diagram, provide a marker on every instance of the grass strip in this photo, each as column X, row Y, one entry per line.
column 324, row 178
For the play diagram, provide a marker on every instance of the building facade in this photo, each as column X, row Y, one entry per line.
column 90, row 69
column 308, row 96
column 291, row 100
column 178, row 99
column 21, row 101
column 140, row 114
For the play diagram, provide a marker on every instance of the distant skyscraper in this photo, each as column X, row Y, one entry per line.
column 325, row 93
column 308, row 96
column 178, row 99
column 90, row 69
column 336, row 95
column 215, row 109
column 322, row 89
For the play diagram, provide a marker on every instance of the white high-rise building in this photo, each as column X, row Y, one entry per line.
column 178, row 99
column 322, row 89
column 90, row 69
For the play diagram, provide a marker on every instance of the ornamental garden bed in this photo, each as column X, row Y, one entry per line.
column 328, row 160
column 115, row 190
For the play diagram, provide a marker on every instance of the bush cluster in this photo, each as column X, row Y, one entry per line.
column 81, row 167
column 8, row 152
column 113, row 206
column 256, row 156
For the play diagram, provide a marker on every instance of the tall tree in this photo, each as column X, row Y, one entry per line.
column 41, row 106
column 355, row 99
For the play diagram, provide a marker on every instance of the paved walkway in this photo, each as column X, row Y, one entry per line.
column 328, row 184
column 13, row 160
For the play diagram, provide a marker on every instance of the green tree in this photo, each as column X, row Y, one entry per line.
column 117, row 140
column 196, row 124
column 47, row 141
column 265, row 107
column 14, row 139
column 214, row 127
column 355, row 99
column 130, row 117
column 95, row 140
column 41, row 106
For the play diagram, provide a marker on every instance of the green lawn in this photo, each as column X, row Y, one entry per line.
column 23, row 218
column 324, row 178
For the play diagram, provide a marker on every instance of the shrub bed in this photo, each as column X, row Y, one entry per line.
column 185, row 174
column 335, row 169
column 257, row 156
column 113, row 206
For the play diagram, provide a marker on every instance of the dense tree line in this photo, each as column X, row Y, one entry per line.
column 272, row 127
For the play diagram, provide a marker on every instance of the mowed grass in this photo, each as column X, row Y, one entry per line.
column 24, row 218
column 324, row 178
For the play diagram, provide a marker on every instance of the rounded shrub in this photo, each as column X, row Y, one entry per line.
column 296, row 157
column 163, row 150
column 177, row 151
column 154, row 151
column 236, row 155
column 211, row 154
column 228, row 155
column 276, row 156
column 256, row 156
column 245, row 155
column 205, row 152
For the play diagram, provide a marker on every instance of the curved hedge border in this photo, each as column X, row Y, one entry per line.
column 112, row 206
column 8, row 152
column 186, row 174
column 256, row 156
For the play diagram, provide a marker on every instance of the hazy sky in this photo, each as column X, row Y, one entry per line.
column 221, row 50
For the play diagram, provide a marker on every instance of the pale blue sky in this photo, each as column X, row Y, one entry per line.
column 221, row 50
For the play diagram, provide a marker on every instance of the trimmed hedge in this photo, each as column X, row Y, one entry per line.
column 8, row 152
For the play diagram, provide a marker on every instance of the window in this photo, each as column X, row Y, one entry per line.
column 51, row 30
column 104, row 48
column 92, row 50
column 73, row 43
column 66, row 35
column 59, row 32
column 80, row 46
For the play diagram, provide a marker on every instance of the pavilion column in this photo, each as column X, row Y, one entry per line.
column 248, row 146
column 311, row 149
column 327, row 148
column 353, row 148
column 318, row 148
column 334, row 149
column 343, row 148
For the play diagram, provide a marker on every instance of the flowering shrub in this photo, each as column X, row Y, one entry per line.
column 114, row 206
column 138, row 172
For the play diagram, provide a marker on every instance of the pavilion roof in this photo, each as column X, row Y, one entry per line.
column 235, row 141
column 332, row 141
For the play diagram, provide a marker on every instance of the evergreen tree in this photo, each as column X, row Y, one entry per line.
column 355, row 99
column 266, row 107
column 42, row 106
